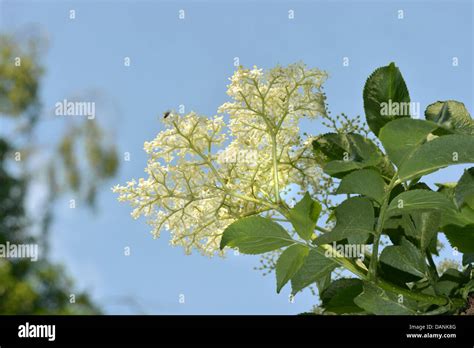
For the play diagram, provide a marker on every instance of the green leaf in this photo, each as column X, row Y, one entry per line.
column 367, row 182
column 461, row 237
column 289, row 262
column 447, row 189
column 396, row 276
column 467, row 259
column 449, row 281
column 332, row 145
column 338, row 169
column 445, row 287
column 467, row 289
column 453, row 279
column 339, row 296
column 455, row 275
column 463, row 217
column 355, row 221
column 255, row 235
column 395, row 228
column 426, row 227
column 323, row 283
column 417, row 200
column 449, row 284
column 347, row 152
column 421, row 226
column 452, row 116
column 304, row 215
column 438, row 153
column 403, row 136
column 385, row 87
column 380, row 302
column 404, row 257
column 464, row 191
column 315, row 268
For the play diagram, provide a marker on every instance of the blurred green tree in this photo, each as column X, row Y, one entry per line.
column 40, row 287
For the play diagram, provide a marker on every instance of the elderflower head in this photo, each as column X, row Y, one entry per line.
column 195, row 191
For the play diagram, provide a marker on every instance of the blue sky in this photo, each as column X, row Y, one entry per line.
column 188, row 62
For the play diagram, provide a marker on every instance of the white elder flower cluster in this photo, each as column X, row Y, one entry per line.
column 203, row 175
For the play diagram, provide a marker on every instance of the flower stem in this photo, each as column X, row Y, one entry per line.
column 275, row 169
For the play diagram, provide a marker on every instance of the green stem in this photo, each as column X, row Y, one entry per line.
column 432, row 265
column 371, row 276
column 438, row 311
column 322, row 229
column 379, row 228
column 347, row 264
column 440, row 301
column 344, row 262
column 433, row 275
column 374, row 259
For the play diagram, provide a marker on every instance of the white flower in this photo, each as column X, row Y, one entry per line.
column 195, row 192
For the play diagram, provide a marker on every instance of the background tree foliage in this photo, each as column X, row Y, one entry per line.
column 41, row 287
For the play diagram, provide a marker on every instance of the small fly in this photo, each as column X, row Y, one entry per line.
column 166, row 114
